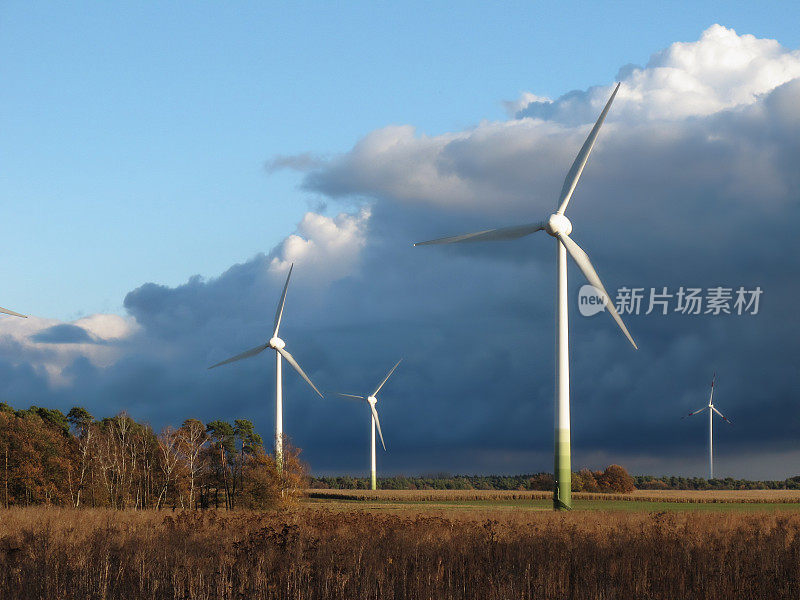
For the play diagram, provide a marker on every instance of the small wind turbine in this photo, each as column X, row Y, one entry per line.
column 279, row 346
column 5, row 311
column 372, row 400
column 558, row 226
column 711, row 410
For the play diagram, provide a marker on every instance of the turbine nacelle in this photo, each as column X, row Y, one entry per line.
column 372, row 400
column 558, row 224
column 276, row 343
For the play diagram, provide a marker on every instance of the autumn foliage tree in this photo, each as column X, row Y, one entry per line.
column 614, row 479
column 585, row 481
column 264, row 486
column 38, row 457
column 47, row 457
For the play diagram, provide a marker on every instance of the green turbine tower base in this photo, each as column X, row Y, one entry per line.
column 562, row 491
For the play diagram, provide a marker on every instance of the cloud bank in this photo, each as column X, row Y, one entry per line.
column 693, row 182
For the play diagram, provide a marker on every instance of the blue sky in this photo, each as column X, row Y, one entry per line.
column 133, row 156
column 135, row 134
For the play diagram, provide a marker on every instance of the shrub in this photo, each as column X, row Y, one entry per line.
column 615, row 479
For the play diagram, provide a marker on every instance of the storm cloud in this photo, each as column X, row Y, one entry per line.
column 693, row 183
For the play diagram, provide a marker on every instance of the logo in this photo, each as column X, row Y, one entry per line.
column 590, row 300
column 665, row 301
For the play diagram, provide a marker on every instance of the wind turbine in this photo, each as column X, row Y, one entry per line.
column 279, row 346
column 711, row 410
column 372, row 400
column 558, row 226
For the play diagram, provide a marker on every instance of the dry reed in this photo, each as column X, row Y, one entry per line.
column 311, row 553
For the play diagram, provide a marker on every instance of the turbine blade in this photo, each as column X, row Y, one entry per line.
column 5, row 311
column 290, row 359
column 489, row 235
column 279, row 311
column 585, row 265
column 351, row 396
column 694, row 413
column 378, row 423
column 721, row 415
column 580, row 161
column 247, row 354
column 711, row 397
column 385, row 379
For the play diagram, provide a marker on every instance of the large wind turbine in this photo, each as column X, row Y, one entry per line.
column 558, row 226
column 279, row 346
column 711, row 410
column 372, row 400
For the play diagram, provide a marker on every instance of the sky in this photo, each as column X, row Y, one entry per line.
column 162, row 165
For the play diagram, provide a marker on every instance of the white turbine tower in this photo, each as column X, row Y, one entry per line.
column 372, row 400
column 558, row 226
column 711, row 410
column 279, row 346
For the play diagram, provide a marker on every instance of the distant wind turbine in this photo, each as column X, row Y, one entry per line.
column 5, row 311
column 711, row 410
column 372, row 400
column 558, row 226
column 279, row 346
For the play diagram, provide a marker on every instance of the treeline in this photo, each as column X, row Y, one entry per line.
column 648, row 482
column 47, row 457
column 614, row 479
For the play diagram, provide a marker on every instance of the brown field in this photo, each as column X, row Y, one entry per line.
column 685, row 496
column 718, row 495
column 309, row 552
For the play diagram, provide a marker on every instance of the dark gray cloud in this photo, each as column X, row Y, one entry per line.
column 709, row 199
column 63, row 334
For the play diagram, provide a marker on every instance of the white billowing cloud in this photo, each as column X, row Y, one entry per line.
column 474, row 170
column 327, row 247
column 679, row 101
column 107, row 328
column 720, row 71
column 395, row 158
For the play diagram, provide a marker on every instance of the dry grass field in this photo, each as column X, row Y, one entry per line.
column 311, row 552
column 718, row 495
column 682, row 496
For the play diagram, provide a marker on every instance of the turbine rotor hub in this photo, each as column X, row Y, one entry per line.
column 372, row 400
column 277, row 343
column 558, row 224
